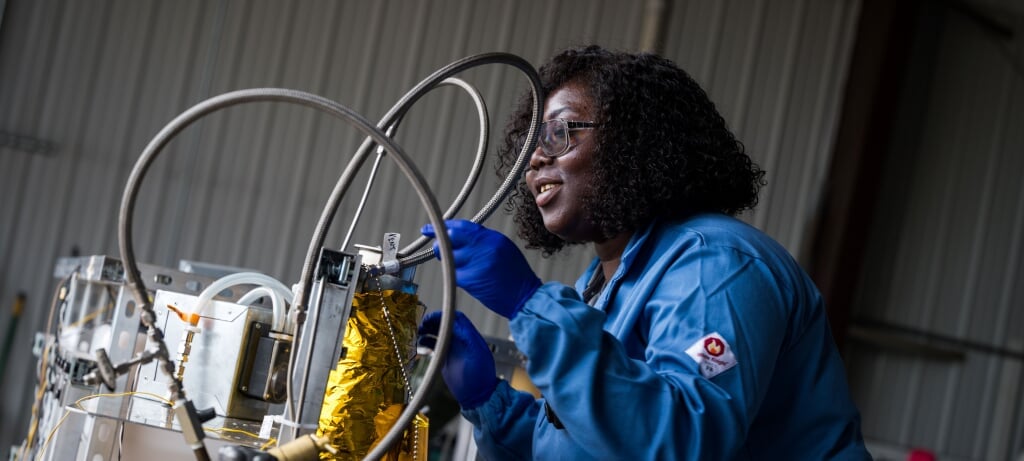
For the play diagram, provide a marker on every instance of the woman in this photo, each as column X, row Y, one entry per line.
column 692, row 335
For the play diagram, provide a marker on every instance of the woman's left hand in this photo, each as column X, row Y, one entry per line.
column 469, row 370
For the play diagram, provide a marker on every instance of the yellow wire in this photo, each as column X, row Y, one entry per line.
column 91, row 315
column 42, row 448
column 58, row 296
column 270, row 441
column 78, row 403
column 35, row 407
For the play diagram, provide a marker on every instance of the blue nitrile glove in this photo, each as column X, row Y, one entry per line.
column 468, row 369
column 488, row 266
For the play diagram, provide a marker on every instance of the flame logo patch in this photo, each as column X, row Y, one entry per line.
column 714, row 346
column 712, row 355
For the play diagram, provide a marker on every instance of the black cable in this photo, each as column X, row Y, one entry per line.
column 396, row 111
column 134, row 280
column 467, row 186
column 474, row 171
column 327, row 216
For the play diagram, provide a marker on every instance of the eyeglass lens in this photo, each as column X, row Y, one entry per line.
column 554, row 137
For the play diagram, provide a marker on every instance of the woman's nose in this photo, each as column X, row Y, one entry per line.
column 538, row 159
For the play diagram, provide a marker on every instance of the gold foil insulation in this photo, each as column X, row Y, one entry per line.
column 366, row 391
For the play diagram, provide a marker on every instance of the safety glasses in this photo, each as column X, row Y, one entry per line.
column 554, row 138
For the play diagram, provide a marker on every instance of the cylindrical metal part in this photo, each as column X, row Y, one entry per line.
column 305, row 448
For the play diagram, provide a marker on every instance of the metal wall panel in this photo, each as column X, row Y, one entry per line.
column 245, row 186
column 945, row 253
column 776, row 71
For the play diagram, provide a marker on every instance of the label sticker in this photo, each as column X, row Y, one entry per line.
column 267, row 427
column 712, row 354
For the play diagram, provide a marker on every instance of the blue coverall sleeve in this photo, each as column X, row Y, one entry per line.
column 503, row 425
column 616, row 406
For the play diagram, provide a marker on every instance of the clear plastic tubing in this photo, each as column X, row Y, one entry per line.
column 246, row 278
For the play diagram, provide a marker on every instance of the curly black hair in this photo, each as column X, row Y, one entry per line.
column 662, row 149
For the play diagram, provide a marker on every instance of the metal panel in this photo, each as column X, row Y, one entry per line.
column 945, row 253
column 244, row 187
column 776, row 71
column 3, row 6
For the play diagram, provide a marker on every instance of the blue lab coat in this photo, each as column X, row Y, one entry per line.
column 635, row 376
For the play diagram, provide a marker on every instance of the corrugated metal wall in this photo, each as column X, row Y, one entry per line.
column 95, row 80
column 776, row 71
column 946, row 251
